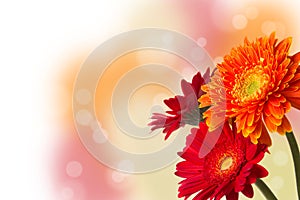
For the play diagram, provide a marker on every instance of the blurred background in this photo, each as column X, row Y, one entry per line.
column 43, row 48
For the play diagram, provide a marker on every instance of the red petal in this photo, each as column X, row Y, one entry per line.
column 250, row 151
column 173, row 103
column 259, row 171
column 248, row 191
column 169, row 131
column 186, row 88
column 205, row 194
column 232, row 195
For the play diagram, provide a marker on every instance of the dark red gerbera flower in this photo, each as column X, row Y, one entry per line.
column 223, row 164
column 184, row 109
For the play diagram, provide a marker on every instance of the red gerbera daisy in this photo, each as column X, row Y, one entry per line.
column 184, row 109
column 229, row 166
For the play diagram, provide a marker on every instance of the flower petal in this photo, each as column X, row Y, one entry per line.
column 248, row 191
column 285, row 126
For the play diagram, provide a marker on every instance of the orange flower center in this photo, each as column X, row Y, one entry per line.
column 251, row 84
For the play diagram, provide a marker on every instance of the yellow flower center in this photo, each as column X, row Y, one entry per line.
column 226, row 163
column 250, row 85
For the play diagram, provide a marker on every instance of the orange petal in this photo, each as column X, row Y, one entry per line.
column 276, row 101
column 292, row 94
column 280, row 130
column 253, row 139
column 204, row 88
column 213, row 119
column 296, row 57
column 256, row 133
column 295, row 102
column 271, row 127
column 265, row 137
column 276, row 111
column 284, row 45
column 207, row 115
column 249, row 130
column 296, row 77
column 287, row 106
column 240, row 122
column 274, row 120
column 285, row 126
column 267, row 111
column 288, row 77
column 216, row 121
column 250, row 118
column 204, row 101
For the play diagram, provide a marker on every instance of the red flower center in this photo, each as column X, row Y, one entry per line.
column 223, row 162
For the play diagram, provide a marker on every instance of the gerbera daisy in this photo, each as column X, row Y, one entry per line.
column 257, row 83
column 228, row 167
column 184, row 109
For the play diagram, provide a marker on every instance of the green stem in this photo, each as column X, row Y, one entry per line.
column 296, row 158
column 265, row 190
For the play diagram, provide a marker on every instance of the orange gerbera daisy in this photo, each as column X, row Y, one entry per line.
column 256, row 84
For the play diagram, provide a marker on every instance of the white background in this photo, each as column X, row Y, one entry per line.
column 36, row 38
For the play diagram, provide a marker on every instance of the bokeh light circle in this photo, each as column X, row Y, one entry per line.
column 74, row 169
